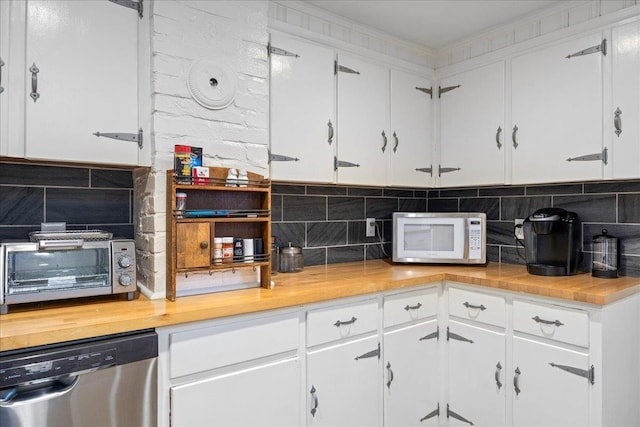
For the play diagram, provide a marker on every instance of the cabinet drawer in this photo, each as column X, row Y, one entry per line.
column 477, row 306
column 201, row 349
column 410, row 306
column 553, row 322
column 345, row 321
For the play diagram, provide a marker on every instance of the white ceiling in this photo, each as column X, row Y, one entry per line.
column 433, row 23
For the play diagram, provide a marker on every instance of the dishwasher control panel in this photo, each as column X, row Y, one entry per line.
column 28, row 370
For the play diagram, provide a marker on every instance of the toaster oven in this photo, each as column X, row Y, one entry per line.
column 60, row 265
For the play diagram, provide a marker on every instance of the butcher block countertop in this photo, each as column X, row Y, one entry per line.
column 45, row 323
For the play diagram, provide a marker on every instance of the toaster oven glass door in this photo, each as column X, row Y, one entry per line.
column 436, row 238
column 33, row 271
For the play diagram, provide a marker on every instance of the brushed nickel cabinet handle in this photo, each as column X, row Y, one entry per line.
column 516, row 381
column 384, row 141
column 547, row 322
column 480, row 307
column 345, row 322
column 34, row 82
column 514, row 137
column 390, row 372
column 497, row 375
column 617, row 121
column 498, row 132
column 412, row 307
column 330, row 127
column 396, row 141
column 314, row 396
column 1, row 65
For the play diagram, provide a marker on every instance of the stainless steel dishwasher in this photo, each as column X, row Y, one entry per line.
column 106, row 381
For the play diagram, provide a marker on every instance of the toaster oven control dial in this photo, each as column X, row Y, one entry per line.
column 124, row 261
column 124, row 279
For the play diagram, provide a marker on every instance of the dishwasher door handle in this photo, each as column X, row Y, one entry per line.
column 46, row 391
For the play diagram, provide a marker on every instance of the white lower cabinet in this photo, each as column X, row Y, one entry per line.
column 343, row 384
column 412, row 376
column 477, row 381
column 549, row 386
column 264, row 395
column 437, row 355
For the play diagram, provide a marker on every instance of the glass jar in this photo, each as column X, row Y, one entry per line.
column 291, row 260
column 605, row 255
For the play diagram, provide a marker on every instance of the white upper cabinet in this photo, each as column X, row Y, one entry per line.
column 472, row 135
column 4, row 50
column 625, row 111
column 411, row 131
column 78, row 65
column 302, row 110
column 557, row 113
column 362, row 104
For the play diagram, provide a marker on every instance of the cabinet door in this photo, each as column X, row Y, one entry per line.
column 548, row 395
column 472, row 135
column 343, row 384
column 4, row 88
column 86, row 56
column 267, row 395
column 302, row 118
column 410, row 140
column 412, row 380
column 193, row 244
column 477, row 377
column 625, row 149
column 557, row 109
column 363, row 99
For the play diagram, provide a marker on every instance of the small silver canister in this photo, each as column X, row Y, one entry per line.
column 291, row 260
column 605, row 255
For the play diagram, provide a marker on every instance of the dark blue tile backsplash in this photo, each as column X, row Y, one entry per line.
column 327, row 221
column 84, row 198
column 339, row 235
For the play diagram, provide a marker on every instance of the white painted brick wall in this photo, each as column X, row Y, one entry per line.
column 233, row 33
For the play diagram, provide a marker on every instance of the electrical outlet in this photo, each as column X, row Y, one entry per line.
column 371, row 227
column 518, row 230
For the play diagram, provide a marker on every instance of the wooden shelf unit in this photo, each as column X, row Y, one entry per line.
column 215, row 210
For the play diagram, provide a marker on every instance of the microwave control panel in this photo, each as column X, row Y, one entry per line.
column 475, row 238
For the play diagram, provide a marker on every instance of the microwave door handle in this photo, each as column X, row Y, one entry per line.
column 60, row 244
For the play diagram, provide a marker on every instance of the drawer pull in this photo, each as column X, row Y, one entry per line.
column 390, row 371
column 315, row 401
column 498, row 370
column 413, row 307
column 477, row 307
column 547, row 322
column 345, row 322
column 516, row 377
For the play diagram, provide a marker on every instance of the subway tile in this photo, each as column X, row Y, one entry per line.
column 304, row 208
column 589, row 207
column 327, row 190
column 631, row 186
column 543, row 190
column 345, row 254
column 21, row 206
column 110, row 178
column 276, row 207
column 501, row 191
column 87, row 206
column 27, row 174
column 629, row 208
column 629, row 266
column 286, row 232
column 396, row 192
column 8, row 234
column 366, row 192
column 433, row 194
column 521, row 207
column 442, row 205
column 277, row 188
column 488, row 205
column 493, row 253
column 500, row 233
column 412, row 205
column 375, row 252
column 346, row 208
column 326, row 233
column 512, row 255
column 460, row 192
column 378, row 207
column 420, row 194
column 314, row 256
column 628, row 236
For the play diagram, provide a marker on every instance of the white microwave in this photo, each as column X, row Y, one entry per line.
column 439, row 237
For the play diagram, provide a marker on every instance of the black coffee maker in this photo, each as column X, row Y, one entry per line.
column 552, row 241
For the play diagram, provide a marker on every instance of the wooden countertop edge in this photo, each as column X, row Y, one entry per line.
column 68, row 323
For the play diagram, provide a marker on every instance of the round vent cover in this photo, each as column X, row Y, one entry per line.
column 212, row 85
